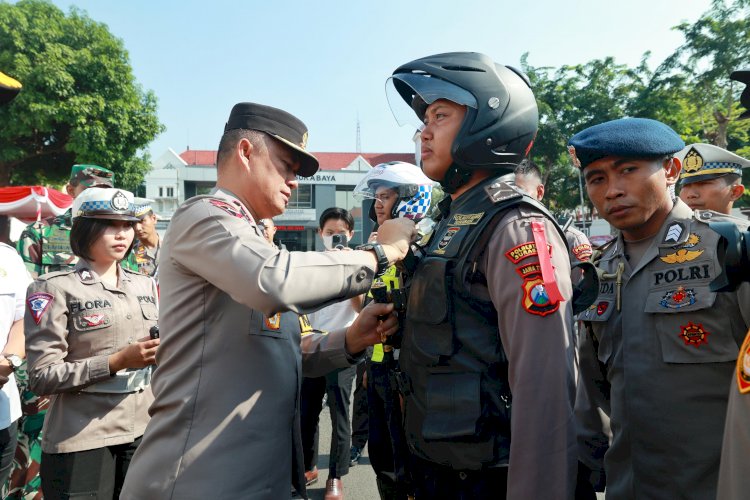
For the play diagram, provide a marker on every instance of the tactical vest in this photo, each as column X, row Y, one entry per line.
column 458, row 399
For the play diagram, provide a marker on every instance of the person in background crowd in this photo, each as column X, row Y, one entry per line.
column 487, row 330
column 734, row 480
column 147, row 245
column 235, row 338
column 337, row 384
column 660, row 347
column 529, row 178
column 88, row 345
column 711, row 177
column 398, row 190
column 13, row 281
column 360, row 425
column 268, row 228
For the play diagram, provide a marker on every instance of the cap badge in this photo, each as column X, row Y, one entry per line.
column 303, row 144
column 119, row 202
column 693, row 161
column 573, row 156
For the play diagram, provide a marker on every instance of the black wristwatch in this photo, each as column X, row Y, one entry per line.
column 383, row 263
column 14, row 360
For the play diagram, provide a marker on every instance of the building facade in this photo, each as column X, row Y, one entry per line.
column 177, row 177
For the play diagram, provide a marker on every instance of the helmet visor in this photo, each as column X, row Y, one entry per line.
column 409, row 94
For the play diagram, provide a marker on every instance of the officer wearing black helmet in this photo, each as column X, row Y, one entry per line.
column 488, row 316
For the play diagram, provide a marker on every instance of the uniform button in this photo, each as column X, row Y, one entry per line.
column 361, row 275
column 706, row 215
column 462, row 475
column 128, row 316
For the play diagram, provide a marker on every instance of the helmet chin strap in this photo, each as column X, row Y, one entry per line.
column 455, row 177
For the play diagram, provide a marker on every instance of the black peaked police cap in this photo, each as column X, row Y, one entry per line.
column 277, row 123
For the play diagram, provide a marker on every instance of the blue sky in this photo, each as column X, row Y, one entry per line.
column 327, row 61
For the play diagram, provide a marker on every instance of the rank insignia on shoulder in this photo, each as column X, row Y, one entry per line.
column 675, row 299
column 673, row 233
column 743, row 366
column 273, row 322
column 681, row 255
column 231, row 210
column 693, row 334
column 305, row 327
column 535, row 298
column 85, row 275
column 38, row 304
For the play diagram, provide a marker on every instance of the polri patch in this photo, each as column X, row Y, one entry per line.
column 679, row 298
column 582, row 252
column 535, row 298
column 523, row 251
column 38, row 304
column 694, row 334
column 743, row 366
column 466, row 219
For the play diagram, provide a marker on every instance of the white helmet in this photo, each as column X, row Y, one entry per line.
column 414, row 188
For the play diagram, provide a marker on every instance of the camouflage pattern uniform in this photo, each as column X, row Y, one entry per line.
column 146, row 259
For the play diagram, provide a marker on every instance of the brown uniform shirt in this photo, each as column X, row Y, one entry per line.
column 225, row 423
column 74, row 321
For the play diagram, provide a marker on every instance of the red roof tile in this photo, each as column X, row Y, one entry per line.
column 328, row 161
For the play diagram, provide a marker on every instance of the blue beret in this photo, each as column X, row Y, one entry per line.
column 628, row 137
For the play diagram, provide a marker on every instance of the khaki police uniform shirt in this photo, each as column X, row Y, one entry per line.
column 668, row 352
column 74, row 321
column 538, row 342
column 225, row 422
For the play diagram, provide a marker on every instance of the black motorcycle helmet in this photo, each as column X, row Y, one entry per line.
column 501, row 117
column 743, row 76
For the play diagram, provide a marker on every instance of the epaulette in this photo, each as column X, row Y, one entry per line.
column 708, row 216
column 55, row 274
column 500, row 192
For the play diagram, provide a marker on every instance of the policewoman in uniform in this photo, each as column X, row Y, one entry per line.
column 88, row 346
column 488, row 318
column 235, row 341
column 660, row 341
column 711, row 177
column 398, row 189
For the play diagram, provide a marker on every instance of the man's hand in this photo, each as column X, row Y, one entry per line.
column 138, row 355
column 375, row 320
column 396, row 235
column 5, row 371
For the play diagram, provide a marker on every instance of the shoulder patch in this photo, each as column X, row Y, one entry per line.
column 535, row 299
column 500, row 191
column 743, row 366
column 582, row 252
column 234, row 211
column 522, row 251
column 38, row 304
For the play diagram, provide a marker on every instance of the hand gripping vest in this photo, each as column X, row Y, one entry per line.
column 457, row 396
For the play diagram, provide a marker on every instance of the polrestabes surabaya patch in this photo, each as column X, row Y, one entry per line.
column 38, row 304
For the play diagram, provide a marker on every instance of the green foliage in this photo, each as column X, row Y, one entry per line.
column 690, row 91
column 80, row 102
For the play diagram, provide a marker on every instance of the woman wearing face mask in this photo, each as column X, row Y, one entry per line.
column 88, row 345
column 336, row 230
column 399, row 190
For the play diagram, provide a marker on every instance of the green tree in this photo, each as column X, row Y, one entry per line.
column 80, row 102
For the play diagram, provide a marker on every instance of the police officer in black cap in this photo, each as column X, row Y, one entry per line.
column 660, row 341
column 225, row 420
column 489, row 311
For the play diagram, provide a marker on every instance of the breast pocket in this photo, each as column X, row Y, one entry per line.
column 90, row 332
column 690, row 325
column 600, row 313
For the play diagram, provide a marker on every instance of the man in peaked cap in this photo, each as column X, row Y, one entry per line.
column 148, row 244
column 234, row 335
column 660, row 346
column 711, row 177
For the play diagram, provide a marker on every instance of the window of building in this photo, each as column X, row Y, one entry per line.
column 161, row 192
column 170, row 192
column 302, row 197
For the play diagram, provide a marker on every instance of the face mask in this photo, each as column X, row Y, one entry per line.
column 328, row 242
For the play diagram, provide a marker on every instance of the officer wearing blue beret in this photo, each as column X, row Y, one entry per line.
column 664, row 342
